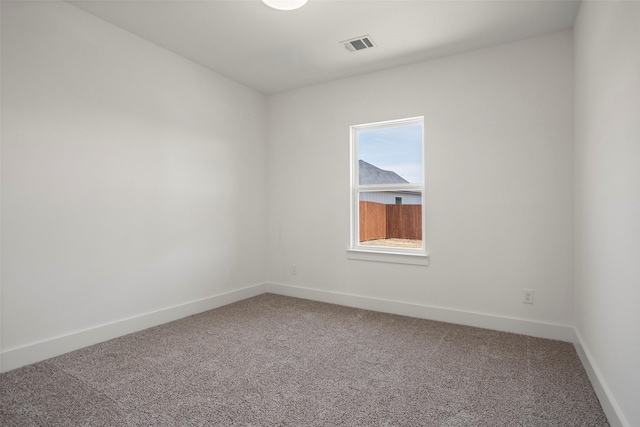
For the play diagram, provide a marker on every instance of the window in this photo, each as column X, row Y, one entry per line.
column 387, row 187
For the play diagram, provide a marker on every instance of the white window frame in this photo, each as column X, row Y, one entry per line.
column 379, row 253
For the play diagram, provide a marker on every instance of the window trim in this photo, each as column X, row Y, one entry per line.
column 380, row 253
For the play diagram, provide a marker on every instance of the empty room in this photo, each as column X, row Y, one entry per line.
column 320, row 213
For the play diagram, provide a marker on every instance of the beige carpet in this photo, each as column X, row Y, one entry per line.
column 279, row 361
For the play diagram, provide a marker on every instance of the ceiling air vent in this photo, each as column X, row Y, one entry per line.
column 359, row 43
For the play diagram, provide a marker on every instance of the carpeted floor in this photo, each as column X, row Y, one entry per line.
column 280, row 361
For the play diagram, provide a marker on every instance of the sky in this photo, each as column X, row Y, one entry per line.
column 398, row 149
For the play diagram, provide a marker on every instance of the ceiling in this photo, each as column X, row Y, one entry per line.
column 273, row 51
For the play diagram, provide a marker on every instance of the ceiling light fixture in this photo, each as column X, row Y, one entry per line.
column 285, row 4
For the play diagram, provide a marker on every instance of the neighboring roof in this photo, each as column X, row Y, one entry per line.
column 371, row 175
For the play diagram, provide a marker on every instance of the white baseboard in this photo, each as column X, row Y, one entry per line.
column 17, row 357
column 21, row 356
column 479, row 320
column 608, row 403
column 14, row 358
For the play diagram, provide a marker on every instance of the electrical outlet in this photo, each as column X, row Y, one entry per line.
column 294, row 269
column 528, row 296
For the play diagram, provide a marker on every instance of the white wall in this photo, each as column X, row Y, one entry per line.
column 499, row 174
column 607, row 126
column 132, row 179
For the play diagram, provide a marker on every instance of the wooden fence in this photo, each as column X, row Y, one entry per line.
column 380, row 221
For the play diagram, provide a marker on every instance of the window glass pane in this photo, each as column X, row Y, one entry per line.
column 383, row 222
column 390, row 155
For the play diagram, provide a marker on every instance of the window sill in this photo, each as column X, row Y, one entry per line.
column 390, row 257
